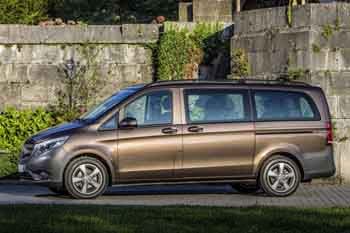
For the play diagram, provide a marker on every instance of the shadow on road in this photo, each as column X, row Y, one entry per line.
column 146, row 190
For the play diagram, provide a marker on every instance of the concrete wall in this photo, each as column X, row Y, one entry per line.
column 316, row 45
column 31, row 57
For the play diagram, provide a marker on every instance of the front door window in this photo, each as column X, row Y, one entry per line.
column 151, row 109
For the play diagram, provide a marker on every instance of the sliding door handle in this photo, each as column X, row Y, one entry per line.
column 169, row 130
column 195, row 129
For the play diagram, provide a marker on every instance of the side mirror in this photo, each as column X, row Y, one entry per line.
column 128, row 123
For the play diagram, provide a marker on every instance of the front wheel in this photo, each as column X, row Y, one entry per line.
column 86, row 178
column 280, row 176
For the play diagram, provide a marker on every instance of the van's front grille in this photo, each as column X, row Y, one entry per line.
column 27, row 151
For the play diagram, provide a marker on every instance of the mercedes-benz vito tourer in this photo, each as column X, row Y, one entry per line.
column 268, row 135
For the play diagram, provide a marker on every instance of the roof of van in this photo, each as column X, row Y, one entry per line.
column 264, row 82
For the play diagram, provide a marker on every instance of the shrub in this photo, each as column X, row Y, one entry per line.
column 240, row 63
column 15, row 127
column 23, row 11
column 173, row 54
column 180, row 50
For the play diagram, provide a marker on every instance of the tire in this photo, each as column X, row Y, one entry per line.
column 279, row 176
column 56, row 190
column 246, row 188
column 86, row 178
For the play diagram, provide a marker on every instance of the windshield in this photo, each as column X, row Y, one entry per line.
column 109, row 103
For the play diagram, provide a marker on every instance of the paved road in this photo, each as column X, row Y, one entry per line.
column 204, row 195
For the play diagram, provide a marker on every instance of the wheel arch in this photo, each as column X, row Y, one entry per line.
column 109, row 166
column 288, row 154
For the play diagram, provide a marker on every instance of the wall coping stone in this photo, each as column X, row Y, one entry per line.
column 94, row 34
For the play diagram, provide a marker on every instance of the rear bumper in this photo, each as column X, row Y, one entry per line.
column 319, row 165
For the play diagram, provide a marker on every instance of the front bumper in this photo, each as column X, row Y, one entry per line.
column 42, row 169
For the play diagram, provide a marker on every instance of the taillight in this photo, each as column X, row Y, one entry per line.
column 329, row 133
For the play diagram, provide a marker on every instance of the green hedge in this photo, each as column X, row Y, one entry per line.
column 15, row 127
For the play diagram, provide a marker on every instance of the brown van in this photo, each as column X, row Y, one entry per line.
column 268, row 135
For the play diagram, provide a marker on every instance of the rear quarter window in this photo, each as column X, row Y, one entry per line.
column 284, row 106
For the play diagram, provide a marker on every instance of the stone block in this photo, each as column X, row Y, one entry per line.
column 104, row 34
column 322, row 79
column 128, row 73
column 278, row 61
column 13, row 73
column 140, row 33
column 10, row 95
column 38, row 73
column 344, row 106
column 343, row 14
column 301, row 16
column 114, row 73
column 221, row 10
column 323, row 14
column 23, row 34
column 44, row 54
column 34, row 93
column 8, row 54
column 343, row 149
column 339, row 83
column 4, row 33
column 319, row 60
column 345, row 58
column 185, row 11
column 341, row 129
column 333, row 102
column 146, row 73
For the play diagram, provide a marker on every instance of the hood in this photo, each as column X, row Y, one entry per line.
column 57, row 131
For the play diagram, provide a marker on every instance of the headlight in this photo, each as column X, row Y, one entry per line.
column 48, row 145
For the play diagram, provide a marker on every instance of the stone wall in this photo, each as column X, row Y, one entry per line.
column 315, row 48
column 205, row 11
column 31, row 58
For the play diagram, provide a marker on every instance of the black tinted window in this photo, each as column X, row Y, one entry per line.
column 279, row 105
column 215, row 106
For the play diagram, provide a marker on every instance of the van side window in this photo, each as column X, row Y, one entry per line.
column 280, row 105
column 210, row 106
column 154, row 108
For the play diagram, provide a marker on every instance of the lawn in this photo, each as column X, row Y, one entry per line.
column 76, row 219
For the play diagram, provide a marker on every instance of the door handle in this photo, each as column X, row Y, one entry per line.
column 169, row 130
column 195, row 129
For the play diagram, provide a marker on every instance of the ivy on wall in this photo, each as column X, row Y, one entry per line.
column 181, row 50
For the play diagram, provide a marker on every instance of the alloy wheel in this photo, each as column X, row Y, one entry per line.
column 87, row 179
column 281, row 177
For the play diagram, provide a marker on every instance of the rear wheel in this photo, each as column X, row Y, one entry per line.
column 280, row 176
column 86, row 178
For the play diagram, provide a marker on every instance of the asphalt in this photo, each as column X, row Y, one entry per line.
column 165, row 195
